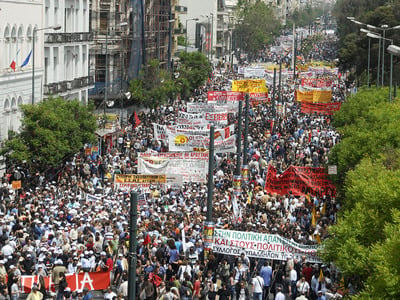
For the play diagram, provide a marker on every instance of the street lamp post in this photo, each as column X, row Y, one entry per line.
column 186, row 38
column 35, row 30
column 393, row 50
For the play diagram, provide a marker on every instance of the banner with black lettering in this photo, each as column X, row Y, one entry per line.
column 300, row 181
column 259, row 245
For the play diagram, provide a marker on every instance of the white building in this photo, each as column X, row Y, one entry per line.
column 60, row 57
column 18, row 18
column 66, row 51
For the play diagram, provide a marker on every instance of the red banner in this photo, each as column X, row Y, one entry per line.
column 322, row 108
column 76, row 281
column 258, row 98
column 300, row 181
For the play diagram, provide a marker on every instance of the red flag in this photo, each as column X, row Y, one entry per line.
column 12, row 65
column 134, row 120
column 147, row 240
column 137, row 121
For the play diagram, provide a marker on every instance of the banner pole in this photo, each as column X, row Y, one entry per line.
column 132, row 247
column 239, row 140
column 245, row 173
column 210, row 183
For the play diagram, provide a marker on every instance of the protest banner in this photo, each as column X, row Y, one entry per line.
column 258, row 98
column 195, row 119
column 191, row 165
column 314, row 96
column 202, row 107
column 76, row 281
column 139, row 181
column 216, row 118
column 254, row 72
column 249, row 86
column 299, row 181
column 321, row 108
column 227, row 99
column 16, row 184
column 259, row 245
column 160, row 131
column 323, row 83
column 193, row 142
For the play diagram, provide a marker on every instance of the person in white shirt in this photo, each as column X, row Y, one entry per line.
column 302, row 286
column 279, row 295
column 257, row 286
column 109, row 294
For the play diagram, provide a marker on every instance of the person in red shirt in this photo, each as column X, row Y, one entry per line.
column 307, row 271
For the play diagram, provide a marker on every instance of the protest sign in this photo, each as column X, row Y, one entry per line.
column 321, row 108
column 202, row 107
column 314, row 96
column 258, row 245
column 139, row 181
column 299, row 181
column 192, row 166
column 76, row 281
column 249, row 86
column 190, row 119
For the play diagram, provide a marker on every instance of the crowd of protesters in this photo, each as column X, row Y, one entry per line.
column 49, row 228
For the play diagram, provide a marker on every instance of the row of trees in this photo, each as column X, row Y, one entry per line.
column 365, row 242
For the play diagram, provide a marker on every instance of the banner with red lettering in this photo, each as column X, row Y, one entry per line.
column 76, row 281
column 300, row 181
column 322, row 108
column 323, row 83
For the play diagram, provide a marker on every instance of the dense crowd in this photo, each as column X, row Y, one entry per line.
column 50, row 228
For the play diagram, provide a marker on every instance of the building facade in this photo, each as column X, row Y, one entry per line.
column 16, row 39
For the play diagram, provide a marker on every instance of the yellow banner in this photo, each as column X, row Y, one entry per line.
column 137, row 178
column 249, row 86
column 314, row 96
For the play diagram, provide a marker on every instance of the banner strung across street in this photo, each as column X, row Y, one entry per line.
column 76, row 281
column 249, row 86
column 314, row 96
column 203, row 107
column 259, row 245
column 191, row 165
column 322, row 108
column 138, row 181
column 160, row 131
column 317, row 83
column 299, row 181
column 193, row 142
column 196, row 119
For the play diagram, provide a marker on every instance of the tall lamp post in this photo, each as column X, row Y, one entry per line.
column 186, row 39
column 35, row 30
column 393, row 50
column 383, row 28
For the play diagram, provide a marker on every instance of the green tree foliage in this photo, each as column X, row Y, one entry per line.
column 51, row 131
column 153, row 87
column 194, row 69
column 364, row 243
column 305, row 16
column 256, row 26
column 368, row 126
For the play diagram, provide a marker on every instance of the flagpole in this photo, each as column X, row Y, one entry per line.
column 33, row 65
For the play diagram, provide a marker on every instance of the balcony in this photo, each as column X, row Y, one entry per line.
column 68, row 85
column 67, row 37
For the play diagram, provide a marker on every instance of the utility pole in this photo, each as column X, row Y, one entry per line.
column 132, row 247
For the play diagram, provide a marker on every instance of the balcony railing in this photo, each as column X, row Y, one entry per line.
column 67, row 85
column 68, row 37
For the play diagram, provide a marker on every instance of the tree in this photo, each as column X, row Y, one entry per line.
column 194, row 69
column 257, row 26
column 153, row 87
column 368, row 125
column 51, row 131
column 364, row 244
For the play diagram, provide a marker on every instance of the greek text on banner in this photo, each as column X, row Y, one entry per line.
column 299, row 181
column 268, row 246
